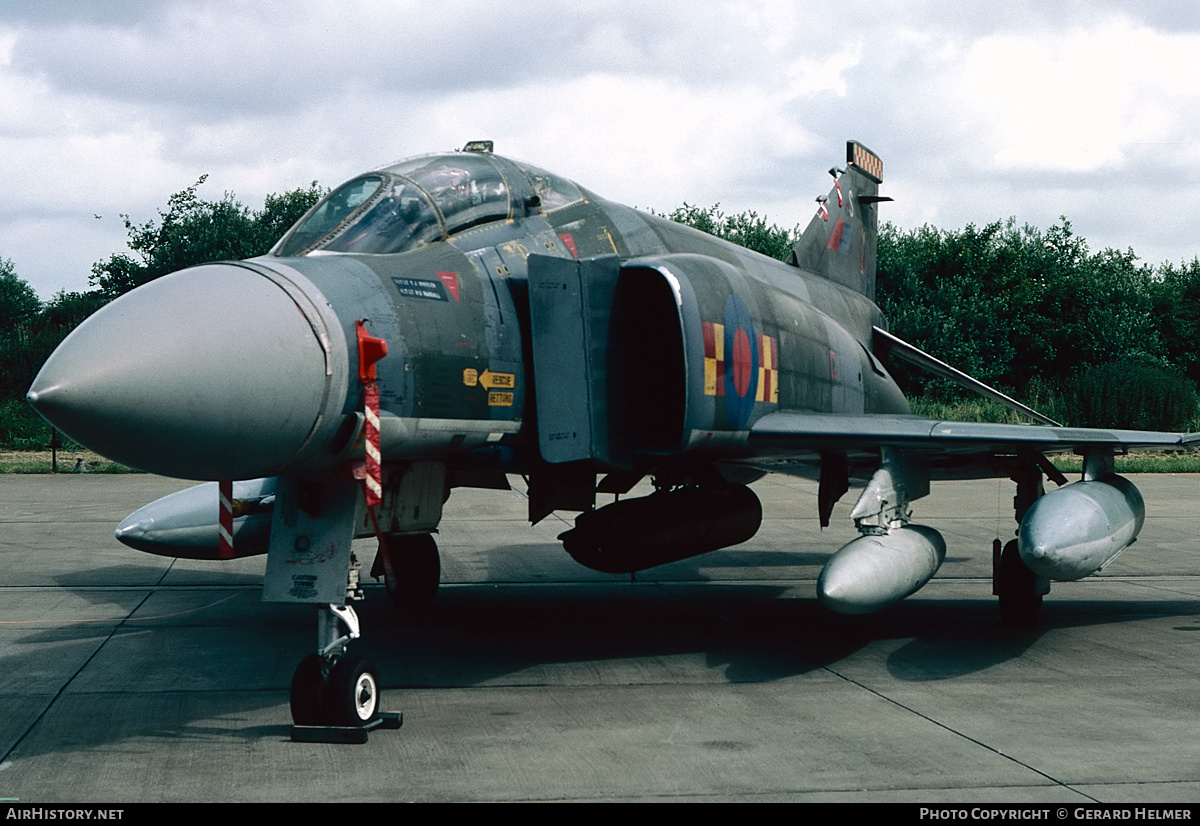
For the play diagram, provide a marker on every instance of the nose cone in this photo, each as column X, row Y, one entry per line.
column 213, row 372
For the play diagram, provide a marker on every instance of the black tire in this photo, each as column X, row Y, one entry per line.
column 308, row 689
column 1016, row 585
column 352, row 695
column 418, row 570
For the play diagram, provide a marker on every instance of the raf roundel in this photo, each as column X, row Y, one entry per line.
column 741, row 363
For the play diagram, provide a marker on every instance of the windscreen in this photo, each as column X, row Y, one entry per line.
column 373, row 214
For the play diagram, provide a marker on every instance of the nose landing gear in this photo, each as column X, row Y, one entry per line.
column 335, row 696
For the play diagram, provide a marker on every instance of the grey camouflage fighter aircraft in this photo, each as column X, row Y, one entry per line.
column 453, row 318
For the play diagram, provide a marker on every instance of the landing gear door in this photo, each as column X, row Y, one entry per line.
column 571, row 305
column 311, row 528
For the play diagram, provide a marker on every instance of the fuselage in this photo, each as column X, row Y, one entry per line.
column 434, row 253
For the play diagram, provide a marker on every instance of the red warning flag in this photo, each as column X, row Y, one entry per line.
column 371, row 350
column 225, row 522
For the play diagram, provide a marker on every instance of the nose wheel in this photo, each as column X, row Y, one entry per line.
column 308, row 690
column 334, row 695
column 352, row 694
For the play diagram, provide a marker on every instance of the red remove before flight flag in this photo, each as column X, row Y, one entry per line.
column 371, row 350
column 225, row 521
column 374, row 477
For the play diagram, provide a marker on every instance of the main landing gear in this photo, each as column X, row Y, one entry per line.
column 335, row 696
column 1017, row 588
column 1020, row 590
column 411, row 571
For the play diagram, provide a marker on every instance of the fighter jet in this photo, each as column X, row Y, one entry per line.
column 449, row 319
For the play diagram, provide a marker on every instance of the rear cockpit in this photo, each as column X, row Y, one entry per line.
column 425, row 199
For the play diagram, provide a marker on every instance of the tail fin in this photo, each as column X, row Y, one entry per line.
column 839, row 242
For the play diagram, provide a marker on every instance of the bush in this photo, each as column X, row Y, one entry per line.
column 746, row 229
column 1130, row 393
column 21, row 428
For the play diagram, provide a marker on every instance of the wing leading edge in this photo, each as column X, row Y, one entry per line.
column 797, row 432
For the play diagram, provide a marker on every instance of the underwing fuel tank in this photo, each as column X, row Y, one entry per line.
column 1077, row 530
column 184, row 524
column 874, row 571
column 635, row 534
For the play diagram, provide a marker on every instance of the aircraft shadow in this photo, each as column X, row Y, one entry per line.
column 488, row 634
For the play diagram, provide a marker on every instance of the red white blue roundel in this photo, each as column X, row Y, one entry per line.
column 741, row 363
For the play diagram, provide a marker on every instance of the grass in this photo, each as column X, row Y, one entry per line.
column 1145, row 462
column 69, row 461
column 77, row 460
column 985, row 410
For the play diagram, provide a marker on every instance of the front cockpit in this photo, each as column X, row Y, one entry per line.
column 423, row 200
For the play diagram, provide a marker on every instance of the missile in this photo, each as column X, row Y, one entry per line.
column 184, row 524
column 635, row 534
column 222, row 371
column 1077, row 530
column 875, row 570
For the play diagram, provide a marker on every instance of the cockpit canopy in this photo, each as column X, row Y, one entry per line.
column 422, row 200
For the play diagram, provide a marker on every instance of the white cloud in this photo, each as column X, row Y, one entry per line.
column 660, row 139
column 1078, row 99
column 979, row 111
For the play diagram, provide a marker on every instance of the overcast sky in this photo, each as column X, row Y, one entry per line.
column 980, row 111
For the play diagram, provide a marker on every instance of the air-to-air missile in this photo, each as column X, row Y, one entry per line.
column 450, row 319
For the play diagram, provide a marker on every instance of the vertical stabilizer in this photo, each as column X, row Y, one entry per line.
column 839, row 242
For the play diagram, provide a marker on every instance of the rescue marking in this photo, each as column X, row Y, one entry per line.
column 489, row 380
column 498, row 399
column 611, row 242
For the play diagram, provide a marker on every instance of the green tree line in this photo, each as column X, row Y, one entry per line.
column 191, row 230
column 1091, row 338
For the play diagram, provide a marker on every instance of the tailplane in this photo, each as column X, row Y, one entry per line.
column 839, row 242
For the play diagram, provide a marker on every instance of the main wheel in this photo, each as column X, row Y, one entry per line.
column 416, row 570
column 308, row 688
column 1016, row 585
column 352, row 696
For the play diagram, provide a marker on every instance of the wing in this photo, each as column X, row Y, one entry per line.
column 952, row 449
